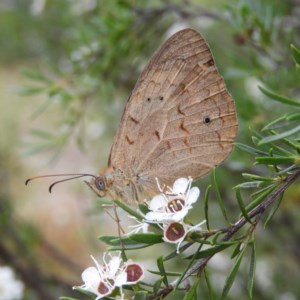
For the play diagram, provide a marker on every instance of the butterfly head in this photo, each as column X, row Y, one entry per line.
column 101, row 184
column 98, row 185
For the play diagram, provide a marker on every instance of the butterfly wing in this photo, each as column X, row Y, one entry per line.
column 179, row 120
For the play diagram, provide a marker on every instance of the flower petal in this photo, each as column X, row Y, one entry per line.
column 114, row 265
column 193, row 195
column 90, row 275
column 157, row 216
column 157, row 203
column 180, row 186
column 121, row 279
column 179, row 215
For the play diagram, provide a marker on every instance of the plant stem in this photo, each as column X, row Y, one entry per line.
column 231, row 230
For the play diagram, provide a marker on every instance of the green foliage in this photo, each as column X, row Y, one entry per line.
column 87, row 59
column 279, row 153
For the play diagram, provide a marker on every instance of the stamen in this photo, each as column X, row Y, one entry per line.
column 176, row 205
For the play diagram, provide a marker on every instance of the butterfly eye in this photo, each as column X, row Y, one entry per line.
column 100, row 184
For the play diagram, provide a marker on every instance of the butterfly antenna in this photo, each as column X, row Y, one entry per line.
column 74, row 176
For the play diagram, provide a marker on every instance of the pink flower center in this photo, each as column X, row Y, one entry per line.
column 103, row 289
column 174, row 232
column 134, row 272
column 176, row 205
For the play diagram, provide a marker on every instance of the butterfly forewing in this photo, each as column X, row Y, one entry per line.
column 179, row 120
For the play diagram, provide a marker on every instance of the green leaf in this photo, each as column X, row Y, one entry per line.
column 231, row 277
column 254, row 184
column 208, row 284
column 293, row 117
column 126, row 244
column 82, row 291
column 276, row 160
column 272, row 124
column 188, row 267
column 273, row 210
column 236, row 250
column 192, row 293
column 279, row 98
column 128, row 247
column 242, row 205
column 288, row 170
column 41, row 134
column 157, row 285
column 218, row 195
column 141, row 295
column 282, row 151
column 282, row 121
column 206, row 196
column 129, row 210
column 181, row 249
column 215, row 237
column 279, row 136
column 298, row 69
column 252, row 269
column 210, row 251
column 259, row 196
column 255, row 139
column 29, row 90
column 249, row 185
column 174, row 274
column 112, row 240
column 67, row 298
column 143, row 208
column 249, row 149
column 34, row 75
column 256, row 177
column 40, row 109
column 296, row 53
column 161, row 268
column 147, row 238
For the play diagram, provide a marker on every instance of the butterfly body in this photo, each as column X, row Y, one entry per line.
column 115, row 184
column 179, row 121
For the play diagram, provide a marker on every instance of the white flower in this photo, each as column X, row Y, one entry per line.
column 173, row 205
column 102, row 280
column 168, row 210
column 175, row 233
column 10, row 287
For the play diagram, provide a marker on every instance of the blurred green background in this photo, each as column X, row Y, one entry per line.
column 66, row 70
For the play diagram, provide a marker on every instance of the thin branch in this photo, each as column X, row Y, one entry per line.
column 231, row 230
column 257, row 211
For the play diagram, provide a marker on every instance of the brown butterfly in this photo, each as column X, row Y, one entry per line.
column 179, row 121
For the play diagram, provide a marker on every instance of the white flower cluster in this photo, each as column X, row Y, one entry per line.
column 103, row 279
column 168, row 210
